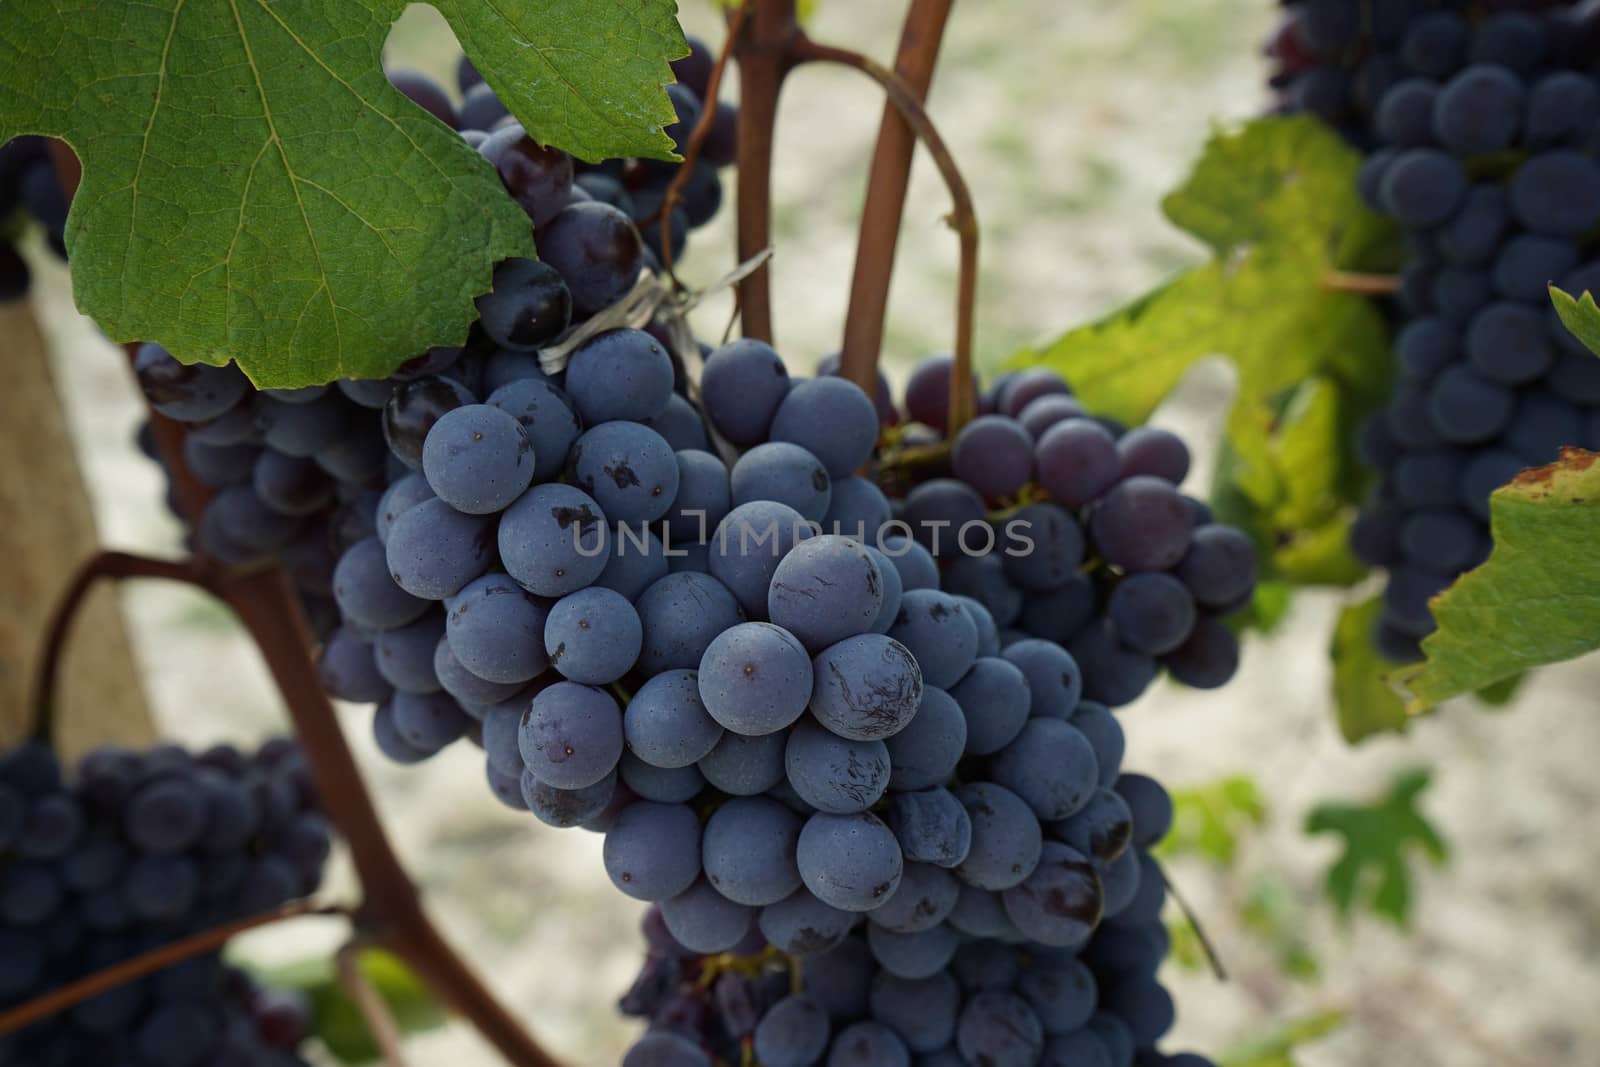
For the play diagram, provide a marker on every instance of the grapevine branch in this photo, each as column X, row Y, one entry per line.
column 697, row 137
column 765, row 59
column 884, row 207
column 392, row 912
column 374, row 1010
column 136, row 967
column 1344, row 281
column 1194, row 924
column 963, row 219
column 103, row 565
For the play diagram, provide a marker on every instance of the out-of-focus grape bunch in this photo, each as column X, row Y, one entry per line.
column 1480, row 125
column 30, row 195
column 128, row 852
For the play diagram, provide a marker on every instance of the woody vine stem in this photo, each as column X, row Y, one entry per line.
column 766, row 40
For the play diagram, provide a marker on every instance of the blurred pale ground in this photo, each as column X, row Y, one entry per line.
column 1070, row 121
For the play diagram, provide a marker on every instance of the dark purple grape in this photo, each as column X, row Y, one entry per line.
column 528, row 306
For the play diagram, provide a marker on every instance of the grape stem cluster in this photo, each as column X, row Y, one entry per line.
column 766, row 39
column 772, row 46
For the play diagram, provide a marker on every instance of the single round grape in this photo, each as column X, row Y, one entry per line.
column 496, row 630
column 477, row 459
column 412, row 410
column 564, row 808
column 926, row 751
column 703, row 920
column 652, row 851
column 834, row 774
column 666, row 723
column 1154, row 452
column 1557, row 193
column 850, row 861
column 1423, row 187
column 597, row 251
column 931, row 825
column 528, row 306
column 1006, row 839
column 190, row 392
column 830, row 418
column 1051, row 766
column 1077, row 461
column 749, row 850
column 940, row 512
column 667, row 785
column 741, row 387
column 1478, row 111
column 1220, row 566
column 427, row 721
column 755, row 678
column 433, row 550
column 593, row 636
column 681, row 615
column 703, row 499
column 1153, row 613
column 1061, row 902
column 1142, row 525
column 999, row 1029
column 918, row 954
column 571, row 735
column 621, row 374
column 994, row 699
column 937, row 630
column 994, row 455
column 628, row 469
column 785, row 473
column 927, row 894
column 802, row 925
column 825, row 589
column 664, row 1048
column 793, row 1033
column 404, row 656
column 866, row 687
column 1208, row 658
column 745, row 766
column 553, row 539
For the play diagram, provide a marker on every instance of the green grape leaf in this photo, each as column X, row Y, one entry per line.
column 1364, row 700
column 1288, row 483
column 1207, row 819
column 254, row 189
column 1579, row 315
column 1372, row 870
column 335, row 1018
column 1278, row 1048
column 1536, row 599
column 1275, row 203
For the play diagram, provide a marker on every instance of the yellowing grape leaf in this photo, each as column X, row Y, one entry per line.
column 1536, row 599
column 1364, row 700
column 254, row 189
column 1276, row 204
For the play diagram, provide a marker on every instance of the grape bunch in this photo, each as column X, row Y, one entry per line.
column 28, row 188
column 1480, row 130
column 297, row 474
column 634, row 187
column 789, row 996
column 1071, row 528
column 134, row 851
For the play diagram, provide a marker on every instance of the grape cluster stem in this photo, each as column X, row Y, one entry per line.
column 136, row 967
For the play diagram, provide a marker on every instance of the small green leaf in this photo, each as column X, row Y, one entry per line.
column 1536, row 599
column 1277, row 1049
column 255, row 190
column 1273, row 914
column 1363, row 698
column 1581, row 316
column 1372, row 870
column 337, row 1020
column 1207, row 819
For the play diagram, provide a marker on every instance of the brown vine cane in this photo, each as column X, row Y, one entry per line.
column 772, row 47
column 391, row 914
